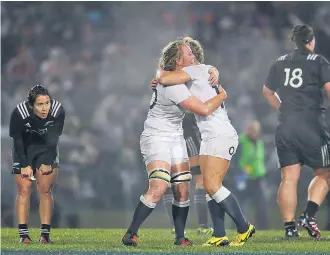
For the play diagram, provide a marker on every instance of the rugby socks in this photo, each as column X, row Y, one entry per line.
column 142, row 212
column 311, row 208
column 217, row 216
column 168, row 198
column 23, row 230
column 180, row 213
column 228, row 202
column 201, row 207
column 45, row 230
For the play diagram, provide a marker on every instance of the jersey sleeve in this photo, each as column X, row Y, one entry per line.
column 16, row 125
column 53, row 135
column 324, row 71
column 177, row 93
column 272, row 81
column 16, row 128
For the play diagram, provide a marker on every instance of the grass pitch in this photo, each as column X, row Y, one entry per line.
column 108, row 241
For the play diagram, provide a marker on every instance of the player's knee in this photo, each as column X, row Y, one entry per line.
column 290, row 178
column 212, row 187
column 290, row 174
column 159, row 180
column 24, row 190
column 156, row 191
column 325, row 176
column 44, row 189
column 181, row 192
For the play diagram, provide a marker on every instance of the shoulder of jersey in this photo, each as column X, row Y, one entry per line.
column 23, row 110
column 308, row 57
column 281, row 58
column 312, row 56
column 55, row 108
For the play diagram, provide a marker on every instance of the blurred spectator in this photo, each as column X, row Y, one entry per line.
column 251, row 180
column 22, row 66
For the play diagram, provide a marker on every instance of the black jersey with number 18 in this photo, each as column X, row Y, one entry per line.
column 299, row 78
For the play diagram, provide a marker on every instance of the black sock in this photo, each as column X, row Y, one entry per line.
column 229, row 203
column 23, row 230
column 290, row 225
column 142, row 212
column 218, row 218
column 201, row 206
column 311, row 208
column 168, row 198
column 45, row 230
column 180, row 213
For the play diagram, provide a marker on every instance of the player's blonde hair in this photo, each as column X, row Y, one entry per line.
column 196, row 48
column 170, row 54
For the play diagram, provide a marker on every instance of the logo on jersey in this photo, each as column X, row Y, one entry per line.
column 49, row 123
column 231, row 150
column 39, row 131
column 28, row 125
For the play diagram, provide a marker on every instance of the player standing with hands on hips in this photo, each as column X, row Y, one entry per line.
column 301, row 136
column 35, row 126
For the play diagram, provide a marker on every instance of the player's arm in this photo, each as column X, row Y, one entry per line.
column 170, row 78
column 16, row 129
column 325, row 75
column 180, row 95
column 53, row 135
column 327, row 89
column 272, row 97
column 270, row 87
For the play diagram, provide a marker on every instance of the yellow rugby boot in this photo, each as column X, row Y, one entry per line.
column 240, row 239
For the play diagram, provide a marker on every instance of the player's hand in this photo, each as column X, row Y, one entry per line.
column 154, row 83
column 214, row 76
column 45, row 169
column 26, row 172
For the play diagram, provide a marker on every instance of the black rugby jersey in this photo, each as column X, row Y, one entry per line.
column 30, row 131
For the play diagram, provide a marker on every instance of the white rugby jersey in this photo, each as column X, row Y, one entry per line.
column 217, row 123
column 165, row 115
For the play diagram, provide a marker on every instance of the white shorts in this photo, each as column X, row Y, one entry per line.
column 172, row 150
column 220, row 146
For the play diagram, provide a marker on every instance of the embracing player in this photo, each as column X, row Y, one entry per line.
column 163, row 146
column 218, row 145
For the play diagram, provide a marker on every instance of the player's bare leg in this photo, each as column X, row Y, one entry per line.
column 159, row 178
column 45, row 183
column 24, row 190
column 287, row 198
column 214, row 170
column 180, row 186
column 317, row 191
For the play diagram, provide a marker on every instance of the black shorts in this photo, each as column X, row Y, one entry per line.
column 33, row 160
column 191, row 135
column 303, row 140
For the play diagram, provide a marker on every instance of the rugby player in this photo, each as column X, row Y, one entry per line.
column 35, row 126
